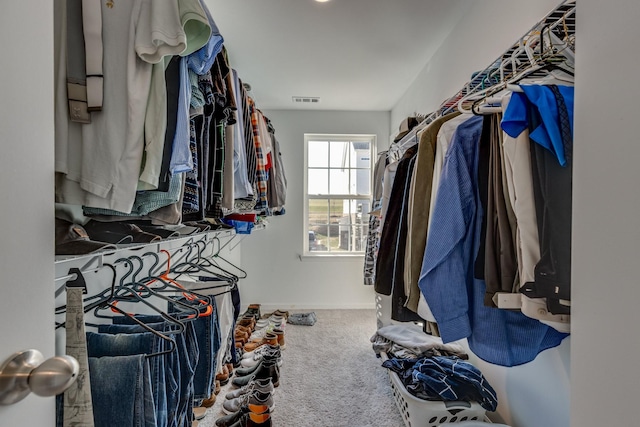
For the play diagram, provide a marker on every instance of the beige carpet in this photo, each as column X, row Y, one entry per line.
column 330, row 376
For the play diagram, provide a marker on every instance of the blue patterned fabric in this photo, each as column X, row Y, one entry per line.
column 446, row 378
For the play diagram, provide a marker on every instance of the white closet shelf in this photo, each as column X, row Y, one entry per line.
column 97, row 259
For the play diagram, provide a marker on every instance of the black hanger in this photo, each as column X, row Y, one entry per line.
column 148, row 328
column 217, row 256
column 189, row 267
column 123, row 293
column 201, row 301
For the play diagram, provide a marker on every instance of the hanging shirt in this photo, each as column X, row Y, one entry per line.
column 241, row 186
column 454, row 296
column 547, row 133
column 519, row 182
column 419, row 204
column 198, row 30
column 445, row 135
column 261, row 172
column 100, row 162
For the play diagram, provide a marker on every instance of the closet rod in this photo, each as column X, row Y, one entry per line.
column 560, row 19
column 97, row 259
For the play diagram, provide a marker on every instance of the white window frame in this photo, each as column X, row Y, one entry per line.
column 371, row 139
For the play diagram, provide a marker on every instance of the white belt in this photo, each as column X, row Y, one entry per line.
column 92, row 29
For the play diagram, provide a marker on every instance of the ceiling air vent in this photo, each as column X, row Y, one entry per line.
column 306, row 99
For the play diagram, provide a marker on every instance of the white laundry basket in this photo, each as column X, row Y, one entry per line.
column 383, row 310
column 425, row 413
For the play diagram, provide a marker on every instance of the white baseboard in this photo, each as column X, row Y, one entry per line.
column 298, row 307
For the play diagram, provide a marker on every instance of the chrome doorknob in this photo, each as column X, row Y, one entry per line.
column 27, row 371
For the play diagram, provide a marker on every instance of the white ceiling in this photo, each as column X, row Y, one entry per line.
column 353, row 54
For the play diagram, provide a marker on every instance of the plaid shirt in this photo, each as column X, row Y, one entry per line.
column 261, row 171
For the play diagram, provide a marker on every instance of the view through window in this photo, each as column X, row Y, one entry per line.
column 338, row 193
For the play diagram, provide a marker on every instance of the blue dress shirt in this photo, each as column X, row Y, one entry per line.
column 200, row 62
column 455, row 297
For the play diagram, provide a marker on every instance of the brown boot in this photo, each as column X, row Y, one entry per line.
column 259, row 420
column 223, row 376
column 244, row 329
column 249, row 321
column 208, row 403
column 280, row 334
column 269, row 338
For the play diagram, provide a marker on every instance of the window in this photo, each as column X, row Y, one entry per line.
column 337, row 193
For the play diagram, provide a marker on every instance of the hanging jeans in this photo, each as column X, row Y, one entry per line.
column 207, row 333
column 186, row 360
column 122, row 391
column 170, row 361
column 107, row 345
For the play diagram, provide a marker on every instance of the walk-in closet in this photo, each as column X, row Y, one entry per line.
column 319, row 213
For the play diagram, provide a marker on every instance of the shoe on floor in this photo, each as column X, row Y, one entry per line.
column 264, row 385
column 199, row 412
column 259, row 350
column 258, row 357
column 229, row 420
column 254, row 420
column 269, row 338
column 209, row 402
column 256, row 398
column 223, row 376
column 266, row 369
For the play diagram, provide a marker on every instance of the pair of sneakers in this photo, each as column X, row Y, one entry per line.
column 254, row 416
column 267, row 351
column 264, row 385
column 253, row 398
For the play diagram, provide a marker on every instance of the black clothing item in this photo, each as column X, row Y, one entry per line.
column 252, row 160
column 390, row 266
column 172, row 79
column 500, row 263
column 484, row 156
column 552, row 185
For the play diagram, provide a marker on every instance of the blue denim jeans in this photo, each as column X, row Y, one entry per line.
column 103, row 345
column 121, row 391
column 171, row 364
column 187, row 359
column 235, row 299
column 207, row 330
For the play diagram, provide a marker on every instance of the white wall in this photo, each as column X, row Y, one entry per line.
column 605, row 380
column 487, row 29
column 277, row 277
column 536, row 394
column 26, row 191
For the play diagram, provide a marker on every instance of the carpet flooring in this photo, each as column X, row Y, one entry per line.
column 330, row 376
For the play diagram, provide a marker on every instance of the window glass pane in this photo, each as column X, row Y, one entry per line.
column 359, row 238
column 339, row 154
column 360, row 155
column 344, row 238
column 318, row 212
column 338, row 210
column 362, row 209
column 317, row 240
column 318, row 181
column 360, row 182
column 318, row 154
column 339, row 181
